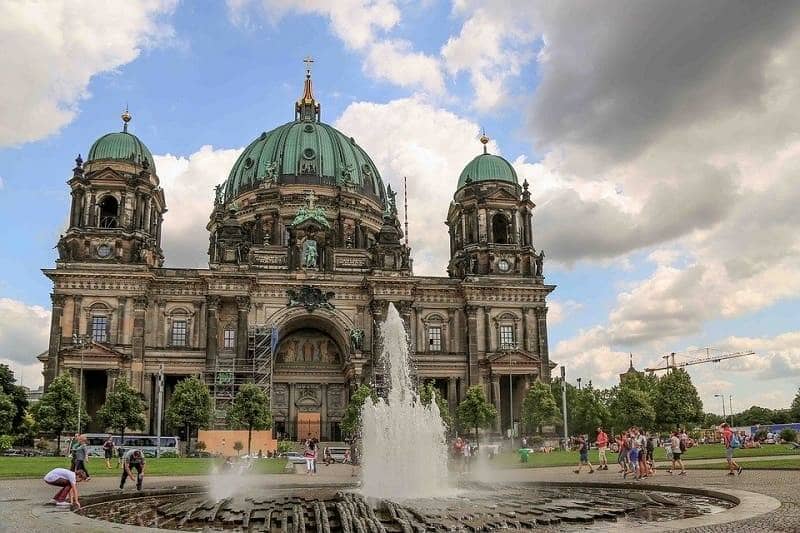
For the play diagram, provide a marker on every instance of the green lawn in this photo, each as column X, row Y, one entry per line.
column 710, row 451
column 19, row 467
column 772, row 464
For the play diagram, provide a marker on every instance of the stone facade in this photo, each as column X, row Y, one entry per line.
column 315, row 262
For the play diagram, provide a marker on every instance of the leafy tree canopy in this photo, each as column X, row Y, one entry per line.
column 539, row 408
column 351, row 421
column 190, row 406
column 250, row 410
column 475, row 411
column 429, row 392
column 677, row 401
column 122, row 409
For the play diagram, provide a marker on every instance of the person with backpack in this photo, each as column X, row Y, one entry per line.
column 677, row 449
column 731, row 441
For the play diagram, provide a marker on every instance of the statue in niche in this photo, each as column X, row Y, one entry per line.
column 540, row 264
column 310, row 253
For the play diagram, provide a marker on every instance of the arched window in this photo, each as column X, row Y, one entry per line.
column 109, row 212
column 500, row 229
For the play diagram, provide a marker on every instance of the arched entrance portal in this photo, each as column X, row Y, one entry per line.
column 309, row 390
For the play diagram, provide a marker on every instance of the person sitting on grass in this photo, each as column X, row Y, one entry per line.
column 133, row 459
column 583, row 450
column 68, row 481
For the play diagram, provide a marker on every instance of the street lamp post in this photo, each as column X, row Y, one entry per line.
column 722, row 397
column 80, row 341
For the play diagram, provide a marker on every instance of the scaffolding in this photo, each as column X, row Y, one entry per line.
column 230, row 373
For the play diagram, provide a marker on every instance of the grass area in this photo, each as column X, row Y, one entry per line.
column 20, row 467
column 709, row 451
column 771, row 464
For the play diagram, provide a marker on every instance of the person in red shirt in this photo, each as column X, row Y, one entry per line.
column 602, row 444
column 727, row 439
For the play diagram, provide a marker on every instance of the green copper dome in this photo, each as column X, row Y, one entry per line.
column 488, row 167
column 304, row 151
column 121, row 146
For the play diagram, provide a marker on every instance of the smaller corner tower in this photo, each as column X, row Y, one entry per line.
column 117, row 204
column 490, row 222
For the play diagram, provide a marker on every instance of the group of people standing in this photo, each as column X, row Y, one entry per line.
column 67, row 479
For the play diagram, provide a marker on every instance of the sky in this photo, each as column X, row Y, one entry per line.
column 661, row 140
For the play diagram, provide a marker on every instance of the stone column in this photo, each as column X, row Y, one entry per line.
column 120, row 329
column 452, row 393
column 472, row 344
column 212, row 342
column 243, row 308
column 138, row 343
column 498, row 423
column 54, row 346
column 541, row 327
column 76, row 314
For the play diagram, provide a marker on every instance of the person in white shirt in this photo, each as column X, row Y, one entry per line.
column 68, row 481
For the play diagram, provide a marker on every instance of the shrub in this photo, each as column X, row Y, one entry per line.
column 788, row 435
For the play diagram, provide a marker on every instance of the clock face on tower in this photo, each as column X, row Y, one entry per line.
column 504, row 265
column 103, row 251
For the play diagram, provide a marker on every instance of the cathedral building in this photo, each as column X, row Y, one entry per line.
column 305, row 253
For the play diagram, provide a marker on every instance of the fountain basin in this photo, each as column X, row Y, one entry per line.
column 474, row 507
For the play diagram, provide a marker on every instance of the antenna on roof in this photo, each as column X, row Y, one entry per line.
column 405, row 206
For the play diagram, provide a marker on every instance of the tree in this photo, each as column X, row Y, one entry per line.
column 351, row 421
column 633, row 407
column 794, row 410
column 123, row 409
column 58, row 409
column 7, row 413
column 589, row 411
column 237, row 447
column 475, row 411
column 17, row 395
column 539, row 408
column 190, row 406
column 250, row 410
column 677, row 400
column 429, row 392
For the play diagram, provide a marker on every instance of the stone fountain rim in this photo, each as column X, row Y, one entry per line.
column 746, row 504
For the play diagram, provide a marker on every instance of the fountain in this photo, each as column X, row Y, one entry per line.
column 404, row 447
column 404, row 486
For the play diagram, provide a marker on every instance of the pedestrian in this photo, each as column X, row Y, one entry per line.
column 466, row 449
column 731, row 442
column 675, row 444
column 133, row 459
column 80, row 456
column 583, row 450
column 68, row 481
column 602, row 444
column 108, row 450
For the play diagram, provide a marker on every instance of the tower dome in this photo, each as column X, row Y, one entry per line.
column 487, row 167
column 305, row 151
column 121, row 146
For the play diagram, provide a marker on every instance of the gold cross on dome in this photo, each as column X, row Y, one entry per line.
column 309, row 61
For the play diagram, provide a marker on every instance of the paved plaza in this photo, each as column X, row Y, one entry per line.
column 23, row 502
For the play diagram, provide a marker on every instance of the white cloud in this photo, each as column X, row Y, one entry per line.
column 188, row 184
column 51, row 51
column 24, row 333
column 396, row 62
column 363, row 26
column 399, row 138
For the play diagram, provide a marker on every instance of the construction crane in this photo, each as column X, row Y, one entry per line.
column 709, row 355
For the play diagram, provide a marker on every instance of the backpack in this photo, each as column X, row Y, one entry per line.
column 735, row 441
column 683, row 445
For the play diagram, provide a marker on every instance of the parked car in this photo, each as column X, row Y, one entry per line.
column 337, row 454
column 293, row 457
